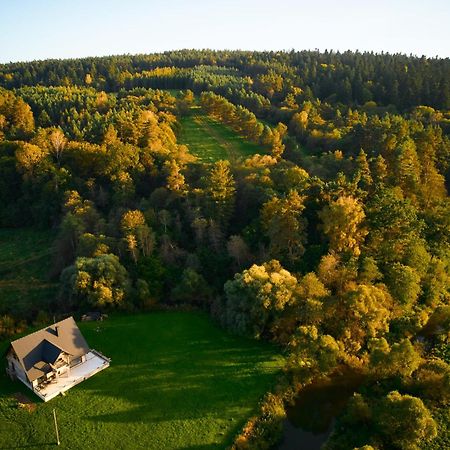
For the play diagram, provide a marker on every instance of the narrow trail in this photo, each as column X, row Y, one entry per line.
column 25, row 284
column 7, row 266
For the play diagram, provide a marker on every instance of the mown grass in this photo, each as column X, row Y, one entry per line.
column 211, row 141
column 176, row 381
column 25, row 262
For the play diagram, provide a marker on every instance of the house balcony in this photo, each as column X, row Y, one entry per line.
column 94, row 363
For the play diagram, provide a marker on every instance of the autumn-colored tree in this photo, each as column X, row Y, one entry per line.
column 400, row 359
column 220, row 192
column 16, row 117
column 360, row 315
column 342, row 224
column 57, row 144
column 29, row 159
column 185, row 102
column 138, row 236
column 175, row 179
column 257, row 296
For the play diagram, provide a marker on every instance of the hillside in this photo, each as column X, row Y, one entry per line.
column 298, row 198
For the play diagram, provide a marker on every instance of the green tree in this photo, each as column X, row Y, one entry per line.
column 363, row 170
column 312, row 353
column 220, row 192
column 408, row 171
column 404, row 284
column 403, row 421
column 282, row 223
column 99, row 282
column 192, row 289
column 257, row 296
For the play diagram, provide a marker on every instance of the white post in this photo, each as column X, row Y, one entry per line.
column 56, row 427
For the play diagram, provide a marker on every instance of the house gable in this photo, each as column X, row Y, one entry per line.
column 54, row 359
column 45, row 347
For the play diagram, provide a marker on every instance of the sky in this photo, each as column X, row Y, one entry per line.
column 42, row 29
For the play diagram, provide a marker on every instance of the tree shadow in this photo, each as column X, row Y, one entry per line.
column 184, row 376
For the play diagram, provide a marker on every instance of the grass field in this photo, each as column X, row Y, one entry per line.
column 176, row 381
column 211, row 141
column 25, row 260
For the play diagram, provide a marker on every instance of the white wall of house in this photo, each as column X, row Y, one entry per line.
column 15, row 367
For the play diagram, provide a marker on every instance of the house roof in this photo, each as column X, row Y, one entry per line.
column 38, row 350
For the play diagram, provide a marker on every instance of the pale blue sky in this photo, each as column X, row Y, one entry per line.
column 43, row 29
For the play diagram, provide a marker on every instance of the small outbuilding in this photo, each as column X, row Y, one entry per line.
column 52, row 360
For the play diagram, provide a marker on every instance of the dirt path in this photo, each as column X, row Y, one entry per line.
column 7, row 266
column 25, row 284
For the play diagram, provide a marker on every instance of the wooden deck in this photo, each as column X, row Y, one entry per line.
column 95, row 362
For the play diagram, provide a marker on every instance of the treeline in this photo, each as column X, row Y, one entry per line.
column 350, row 77
column 84, row 113
column 244, row 122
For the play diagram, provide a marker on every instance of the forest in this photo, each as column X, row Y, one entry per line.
column 326, row 231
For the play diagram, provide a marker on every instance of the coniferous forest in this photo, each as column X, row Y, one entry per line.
column 325, row 229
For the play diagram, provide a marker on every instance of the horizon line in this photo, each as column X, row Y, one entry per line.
column 204, row 49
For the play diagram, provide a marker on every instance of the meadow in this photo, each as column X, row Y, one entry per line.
column 210, row 140
column 25, row 263
column 176, row 381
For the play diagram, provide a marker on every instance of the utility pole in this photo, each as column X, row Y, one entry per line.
column 56, row 427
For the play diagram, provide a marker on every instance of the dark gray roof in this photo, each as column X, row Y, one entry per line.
column 43, row 347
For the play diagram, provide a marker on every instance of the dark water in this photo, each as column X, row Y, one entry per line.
column 311, row 419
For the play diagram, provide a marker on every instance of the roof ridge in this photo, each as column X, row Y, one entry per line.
column 43, row 329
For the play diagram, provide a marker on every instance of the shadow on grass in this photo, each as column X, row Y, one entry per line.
column 209, row 382
column 175, row 379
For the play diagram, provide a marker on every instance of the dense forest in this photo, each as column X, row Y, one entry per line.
column 333, row 241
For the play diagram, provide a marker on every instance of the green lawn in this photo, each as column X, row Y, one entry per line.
column 211, row 141
column 176, row 381
column 25, row 261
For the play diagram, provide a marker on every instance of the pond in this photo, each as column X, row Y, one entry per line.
column 311, row 418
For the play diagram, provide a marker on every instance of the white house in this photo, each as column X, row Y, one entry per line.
column 52, row 360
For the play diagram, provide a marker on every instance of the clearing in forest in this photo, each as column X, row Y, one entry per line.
column 210, row 140
column 176, row 381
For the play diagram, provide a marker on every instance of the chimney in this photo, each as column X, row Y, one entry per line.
column 57, row 330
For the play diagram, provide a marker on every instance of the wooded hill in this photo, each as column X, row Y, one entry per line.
column 332, row 238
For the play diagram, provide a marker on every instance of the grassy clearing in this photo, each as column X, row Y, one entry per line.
column 176, row 381
column 211, row 141
column 25, row 261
